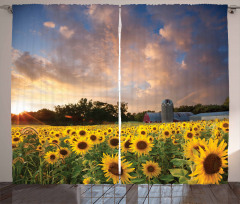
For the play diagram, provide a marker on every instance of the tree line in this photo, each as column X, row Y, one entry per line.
column 88, row 112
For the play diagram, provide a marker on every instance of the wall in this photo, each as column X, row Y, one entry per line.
column 5, row 77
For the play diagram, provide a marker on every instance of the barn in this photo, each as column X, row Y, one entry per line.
column 150, row 117
column 210, row 116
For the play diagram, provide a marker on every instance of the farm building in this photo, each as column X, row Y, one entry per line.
column 210, row 116
column 167, row 115
column 150, row 117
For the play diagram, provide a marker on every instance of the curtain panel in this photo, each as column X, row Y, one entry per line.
column 137, row 94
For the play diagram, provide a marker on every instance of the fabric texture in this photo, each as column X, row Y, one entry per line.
column 152, row 80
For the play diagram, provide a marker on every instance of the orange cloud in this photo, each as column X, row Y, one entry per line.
column 49, row 24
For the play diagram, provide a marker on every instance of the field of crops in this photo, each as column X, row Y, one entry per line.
column 184, row 152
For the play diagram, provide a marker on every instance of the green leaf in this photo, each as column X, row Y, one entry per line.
column 167, row 178
column 138, row 181
column 180, row 162
column 178, row 172
column 183, row 180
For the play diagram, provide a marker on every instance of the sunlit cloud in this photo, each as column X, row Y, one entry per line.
column 66, row 32
column 49, row 24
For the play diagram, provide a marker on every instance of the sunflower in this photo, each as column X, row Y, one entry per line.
column 113, row 142
column 16, row 140
column 111, row 169
column 82, row 133
column 141, row 145
column 210, row 163
column 189, row 135
column 81, row 146
column 154, row 128
column 94, row 138
column 73, row 132
column 150, row 138
column 57, row 134
column 67, row 141
column 55, row 140
column 174, row 141
column 39, row 148
column 63, row 152
column 51, row 157
column 67, row 131
column 194, row 145
column 110, row 130
column 126, row 144
column 87, row 180
column 224, row 125
column 143, row 131
column 101, row 138
column 195, row 128
column 151, row 169
column 166, row 133
column 17, row 134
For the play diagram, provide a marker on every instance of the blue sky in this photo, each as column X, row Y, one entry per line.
column 62, row 53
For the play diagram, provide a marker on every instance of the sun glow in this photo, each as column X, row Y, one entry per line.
column 18, row 109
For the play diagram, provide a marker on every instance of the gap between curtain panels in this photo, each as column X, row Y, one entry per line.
column 119, row 94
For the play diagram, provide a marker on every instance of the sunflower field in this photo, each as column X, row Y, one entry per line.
column 182, row 152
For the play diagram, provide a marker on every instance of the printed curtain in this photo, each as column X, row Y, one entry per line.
column 103, row 94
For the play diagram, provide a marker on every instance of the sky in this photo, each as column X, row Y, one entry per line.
column 62, row 53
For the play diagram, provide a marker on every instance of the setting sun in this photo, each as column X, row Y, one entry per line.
column 18, row 109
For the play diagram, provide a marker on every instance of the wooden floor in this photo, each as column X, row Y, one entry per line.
column 111, row 194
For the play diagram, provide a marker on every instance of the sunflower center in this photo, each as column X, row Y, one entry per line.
column 166, row 133
column 82, row 133
column 212, row 164
column 190, row 135
column 142, row 145
column 154, row 128
column 127, row 144
column 150, row 169
column 143, row 132
column 114, row 142
column 16, row 139
column 55, row 141
column 113, row 168
column 82, row 145
column 52, row 157
column 225, row 125
column 63, row 152
column 93, row 137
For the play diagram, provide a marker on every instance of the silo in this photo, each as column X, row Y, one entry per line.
column 167, row 111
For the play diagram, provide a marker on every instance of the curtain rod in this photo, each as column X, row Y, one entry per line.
column 8, row 8
column 231, row 9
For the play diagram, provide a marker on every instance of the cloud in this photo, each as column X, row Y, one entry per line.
column 75, row 66
column 178, row 34
column 82, row 60
column 66, row 32
column 194, row 32
column 49, row 24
